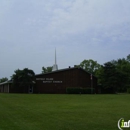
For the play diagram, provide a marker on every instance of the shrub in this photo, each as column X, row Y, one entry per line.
column 73, row 90
column 79, row 90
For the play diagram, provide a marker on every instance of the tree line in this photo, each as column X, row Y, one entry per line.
column 113, row 76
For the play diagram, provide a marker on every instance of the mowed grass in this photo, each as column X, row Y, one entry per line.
column 62, row 112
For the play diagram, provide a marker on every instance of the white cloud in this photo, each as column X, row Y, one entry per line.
column 80, row 29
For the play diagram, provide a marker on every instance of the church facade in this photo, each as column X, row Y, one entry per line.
column 58, row 81
column 55, row 82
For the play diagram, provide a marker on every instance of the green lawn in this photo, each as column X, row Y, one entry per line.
column 62, row 112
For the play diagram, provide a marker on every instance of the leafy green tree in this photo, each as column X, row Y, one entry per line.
column 90, row 65
column 3, row 79
column 22, row 78
column 115, row 75
column 47, row 69
column 109, row 76
column 123, row 68
column 99, row 74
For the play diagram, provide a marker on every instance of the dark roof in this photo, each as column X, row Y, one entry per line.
column 63, row 70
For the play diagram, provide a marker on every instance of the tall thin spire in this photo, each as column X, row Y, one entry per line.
column 55, row 55
column 55, row 66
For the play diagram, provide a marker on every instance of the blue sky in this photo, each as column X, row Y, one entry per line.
column 79, row 29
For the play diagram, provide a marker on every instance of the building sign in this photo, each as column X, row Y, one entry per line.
column 44, row 78
column 49, row 80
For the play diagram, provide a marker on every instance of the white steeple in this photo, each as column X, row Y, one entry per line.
column 55, row 66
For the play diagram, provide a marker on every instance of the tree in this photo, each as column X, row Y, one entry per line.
column 23, row 78
column 3, row 79
column 90, row 66
column 107, row 77
column 123, row 68
column 110, row 75
column 47, row 69
column 115, row 75
column 128, row 58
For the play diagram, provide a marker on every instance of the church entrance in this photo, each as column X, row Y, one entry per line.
column 30, row 89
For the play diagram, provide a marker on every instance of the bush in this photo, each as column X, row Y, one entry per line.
column 79, row 90
column 73, row 90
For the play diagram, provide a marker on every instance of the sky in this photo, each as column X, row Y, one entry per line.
column 30, row 30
